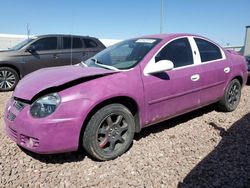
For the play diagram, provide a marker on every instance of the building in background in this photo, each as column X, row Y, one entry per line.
column 247, row 42
column 7, row 41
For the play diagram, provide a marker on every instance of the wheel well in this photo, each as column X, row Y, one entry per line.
column 13, row 67
column 126, row 101
column 239, row 78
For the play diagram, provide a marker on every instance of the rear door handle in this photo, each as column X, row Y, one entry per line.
column 227, row 69
column 195, row 77
column 55, row 56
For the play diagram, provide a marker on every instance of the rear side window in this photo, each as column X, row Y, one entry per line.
column 49, row 43
column 90, row 43
column 67, row 42
column 77, row 43
column 178, row 51
column 208, row 51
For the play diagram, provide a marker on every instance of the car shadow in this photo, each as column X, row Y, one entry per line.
column 81, row 154
column 57, row 158
column 228, row 165
column 159, row 127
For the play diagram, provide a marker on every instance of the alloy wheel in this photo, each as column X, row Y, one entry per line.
column 7, row 79
column 112, row 132
column 234, row 94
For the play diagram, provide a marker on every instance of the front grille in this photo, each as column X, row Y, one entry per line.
column 19, row 105
column 11, row 116
column 13, row 133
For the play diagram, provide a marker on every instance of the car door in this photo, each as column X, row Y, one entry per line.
column 215, row 70
column 71, row 50
column 176, row 91
column 43, row 54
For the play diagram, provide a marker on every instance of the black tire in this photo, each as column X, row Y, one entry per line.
column 232, row 96
column 109, row 132
column 8, row 79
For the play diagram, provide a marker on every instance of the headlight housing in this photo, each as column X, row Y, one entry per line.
column 45, row 105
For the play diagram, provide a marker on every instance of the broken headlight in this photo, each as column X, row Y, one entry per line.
column 45, row 105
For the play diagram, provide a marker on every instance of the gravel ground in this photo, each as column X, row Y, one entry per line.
column 205, row 148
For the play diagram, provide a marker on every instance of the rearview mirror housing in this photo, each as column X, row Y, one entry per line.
column 160, row 66
column 31, row 48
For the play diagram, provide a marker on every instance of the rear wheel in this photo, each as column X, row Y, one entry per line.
column 8, row 79
column 109, row 132
column 231, row 97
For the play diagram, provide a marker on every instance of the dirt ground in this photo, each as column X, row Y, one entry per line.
column 205, row 148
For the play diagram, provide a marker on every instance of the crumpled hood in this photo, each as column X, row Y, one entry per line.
column 42, row 79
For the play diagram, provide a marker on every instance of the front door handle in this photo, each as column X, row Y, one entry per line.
column 195, row 77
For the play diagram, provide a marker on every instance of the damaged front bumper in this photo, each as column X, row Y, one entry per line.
column 56, row 133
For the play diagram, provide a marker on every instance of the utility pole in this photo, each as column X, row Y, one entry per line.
column 28, row 30
column 162, row 15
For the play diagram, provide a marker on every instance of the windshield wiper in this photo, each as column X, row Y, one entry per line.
column 84, row 64
column 98, row 63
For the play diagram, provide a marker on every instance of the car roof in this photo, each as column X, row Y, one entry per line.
column 62, row 35
column 167, row 36
column 176, row 35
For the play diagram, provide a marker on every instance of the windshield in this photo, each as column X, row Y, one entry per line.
column 22, row 44
column 123, row 55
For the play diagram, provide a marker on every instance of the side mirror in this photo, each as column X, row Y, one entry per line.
column 31, row 49
column 160, row 66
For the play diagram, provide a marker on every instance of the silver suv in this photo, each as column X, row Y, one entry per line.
column 44, row 51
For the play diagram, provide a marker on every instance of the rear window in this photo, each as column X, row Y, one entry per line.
column 208, row 51
column 90, row 43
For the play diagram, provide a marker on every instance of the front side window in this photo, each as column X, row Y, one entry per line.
column 178, row 51
column 123, row 55
column 208, row 51
column 22, row 44
column 49, row 43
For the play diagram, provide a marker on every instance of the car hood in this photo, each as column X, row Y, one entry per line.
column 8, row 53
column 48, row 78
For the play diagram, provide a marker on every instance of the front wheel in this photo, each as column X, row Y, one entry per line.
column 110, row 132
column 232, row 95
column 8, row 79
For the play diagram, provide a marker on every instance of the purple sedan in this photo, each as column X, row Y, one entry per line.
column 100, row 103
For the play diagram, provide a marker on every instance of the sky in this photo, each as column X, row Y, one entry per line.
column 223, row 21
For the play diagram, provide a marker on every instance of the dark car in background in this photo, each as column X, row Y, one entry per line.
column 44, row 51
column 248, row 64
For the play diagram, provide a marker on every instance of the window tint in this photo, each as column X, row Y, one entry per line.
column 49, row 43
column 208, row 51
column 67, row 42
column 178, row 51
column 77, row 43
column 90, row 43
